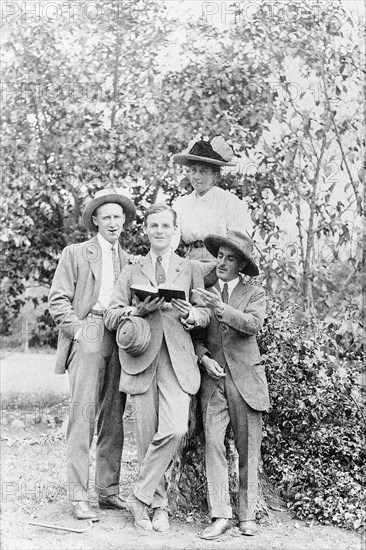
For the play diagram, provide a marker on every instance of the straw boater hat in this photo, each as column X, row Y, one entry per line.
column 240, row 243
column 103, row 197
column 133, row 337
column 216, row 152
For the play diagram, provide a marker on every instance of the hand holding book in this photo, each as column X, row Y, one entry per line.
column 183, row 307
column 165, row 290
column 144, row 307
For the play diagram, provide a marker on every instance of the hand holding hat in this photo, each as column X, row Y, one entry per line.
column 133, row 335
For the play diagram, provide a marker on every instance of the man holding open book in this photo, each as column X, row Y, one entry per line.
column 165, row 374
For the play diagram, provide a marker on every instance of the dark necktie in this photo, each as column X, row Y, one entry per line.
column 225, row 294
column 159, row 271
column 116, row 265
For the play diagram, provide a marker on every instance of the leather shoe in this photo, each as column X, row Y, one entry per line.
column 248, row 527
column 112, row 502
column 160, row 520
column 82, row 510
column 139, row 512
column 217, row 528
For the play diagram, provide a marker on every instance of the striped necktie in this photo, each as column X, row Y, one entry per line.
column 159, row 271
column 225, row 294
column 116, row 265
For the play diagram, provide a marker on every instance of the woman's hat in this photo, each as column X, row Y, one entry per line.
column 105, row 196
column 133, row 337
column 216, row 151
column 240, row 243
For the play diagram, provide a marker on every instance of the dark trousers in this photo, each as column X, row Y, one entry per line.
column 94, row 373
column 227, row 405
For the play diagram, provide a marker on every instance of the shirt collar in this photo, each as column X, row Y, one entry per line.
column 230, row 284
column 210, row 194
column 105, row 245
column 164, row 257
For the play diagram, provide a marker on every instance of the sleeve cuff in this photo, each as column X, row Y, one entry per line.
column 193, row 316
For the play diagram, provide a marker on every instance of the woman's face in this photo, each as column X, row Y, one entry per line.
column 202, row 177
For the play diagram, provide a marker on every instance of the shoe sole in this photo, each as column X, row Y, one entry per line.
column 130, row 509
column 110, row 507
column 214, row 536
column 142, row 528
column 94, row 519
column 161, row 530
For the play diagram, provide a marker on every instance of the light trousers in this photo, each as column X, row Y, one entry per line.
column 161, row 416
column 227, row 405
column 94, row 373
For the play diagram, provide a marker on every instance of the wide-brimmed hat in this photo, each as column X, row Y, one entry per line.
column 105, row 196
column 216, row 152
column 240, row 243
column 133, row 337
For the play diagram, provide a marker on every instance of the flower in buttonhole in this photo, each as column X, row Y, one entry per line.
column 220, row 146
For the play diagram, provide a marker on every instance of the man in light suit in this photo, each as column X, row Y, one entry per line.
column 80, row 292
column 234, row 387
column 165, row 376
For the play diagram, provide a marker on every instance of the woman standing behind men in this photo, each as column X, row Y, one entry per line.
column 208, row 209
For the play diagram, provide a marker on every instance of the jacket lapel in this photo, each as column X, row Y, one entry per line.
column 93, row 253
column 217, row 286
column 122, row 255
column 147, row 269
column 175, row 268
column 237, row 294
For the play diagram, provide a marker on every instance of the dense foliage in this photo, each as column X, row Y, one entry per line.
column 314, row 438
column 105, row 100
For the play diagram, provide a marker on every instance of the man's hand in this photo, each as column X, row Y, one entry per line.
column 211, row 299
column 212, row 367
column 147, row 306
column 182, row 306
column 134, row 259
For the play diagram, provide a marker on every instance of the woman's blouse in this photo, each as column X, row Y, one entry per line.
column 216, row 212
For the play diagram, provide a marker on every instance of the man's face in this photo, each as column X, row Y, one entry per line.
column 160, row 229
column 228, row 264
column 109, row 218
column 202, row 178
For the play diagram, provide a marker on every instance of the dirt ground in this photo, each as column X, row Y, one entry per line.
column 32, row 455
column 116, row 531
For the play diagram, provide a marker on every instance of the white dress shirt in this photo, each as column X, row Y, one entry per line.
column 230, row 285
column 107, row 281
column 165, row 260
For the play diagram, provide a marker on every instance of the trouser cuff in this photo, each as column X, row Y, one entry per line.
column 114, row 490
column 146, row 500
column 226, row 513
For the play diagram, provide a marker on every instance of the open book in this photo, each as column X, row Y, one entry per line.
column 165, row 290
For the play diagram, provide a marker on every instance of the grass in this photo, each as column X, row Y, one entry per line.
column 33, row 458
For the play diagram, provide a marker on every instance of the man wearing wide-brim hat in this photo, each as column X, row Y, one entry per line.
column 80, row 292
column 234, row 386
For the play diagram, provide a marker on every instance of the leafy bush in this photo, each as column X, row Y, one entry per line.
column 313, row 444
column 46, row 332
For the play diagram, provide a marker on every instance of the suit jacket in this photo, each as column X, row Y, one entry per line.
column 74, row 292
column 230, row 338
column 163, row 323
